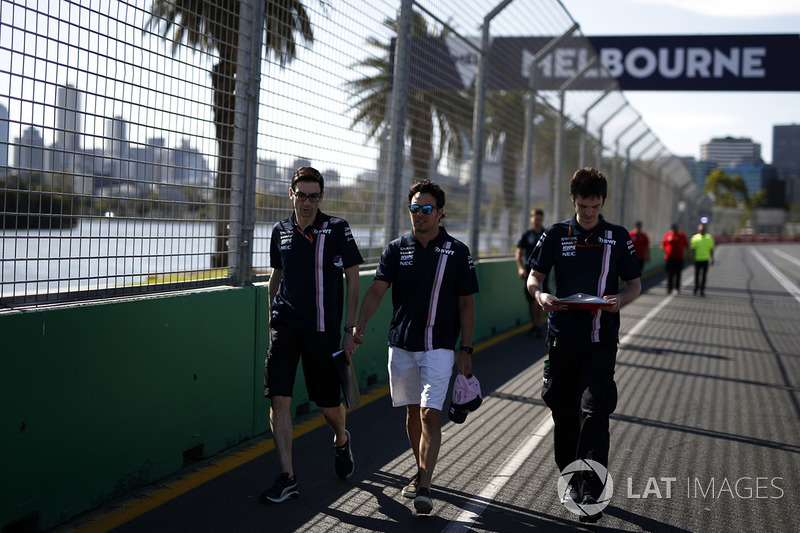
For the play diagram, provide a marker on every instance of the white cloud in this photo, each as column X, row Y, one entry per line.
column 733, row 8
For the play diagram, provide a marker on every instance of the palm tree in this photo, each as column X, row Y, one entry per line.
column 450, row 109
column 213, row 26
column 505, row 127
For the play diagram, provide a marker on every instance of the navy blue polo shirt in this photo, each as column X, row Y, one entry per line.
column 426, row 284
column 528, row 242
column 590, row 262
column 311, row 293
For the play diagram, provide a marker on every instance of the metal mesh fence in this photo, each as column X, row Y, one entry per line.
column 148, row 145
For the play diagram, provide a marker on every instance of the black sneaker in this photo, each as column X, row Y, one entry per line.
column 344, row 459
column 589, row 518
column 423, row 502
column 410, row 490
column 285, row 487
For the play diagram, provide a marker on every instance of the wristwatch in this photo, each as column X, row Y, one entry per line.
column 349, row 328
column 467, row 349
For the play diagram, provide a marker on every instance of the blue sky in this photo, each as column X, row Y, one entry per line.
column 684, row 120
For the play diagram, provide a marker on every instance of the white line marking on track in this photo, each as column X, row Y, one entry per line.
column 790, row 287
column 781, row 253
column 476, row 505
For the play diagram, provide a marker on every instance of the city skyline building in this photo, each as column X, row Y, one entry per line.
column 786, row 158
column 29, row 150
column 4, row 144
column 69, row 102
column 699, row 170
column 119, row 168
column 731, row 151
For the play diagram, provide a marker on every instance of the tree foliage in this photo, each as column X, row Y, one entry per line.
column 728, row 190
column 213, row 26
column 431, row 113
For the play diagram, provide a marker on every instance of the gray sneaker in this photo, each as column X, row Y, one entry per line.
column 410, row 490
column 423, row 502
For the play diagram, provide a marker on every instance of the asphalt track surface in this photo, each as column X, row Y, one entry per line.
column 706, row 435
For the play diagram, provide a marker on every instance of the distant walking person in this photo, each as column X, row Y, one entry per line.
column 702, row 245
column 525, row 247
column 589, row 255
column 674, row 244
column 433, row 282
column 641, row 245
column 310, row 252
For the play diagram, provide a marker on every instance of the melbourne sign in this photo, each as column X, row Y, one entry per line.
column 646, row 63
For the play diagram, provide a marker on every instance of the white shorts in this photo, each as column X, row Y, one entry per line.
column 420, row 377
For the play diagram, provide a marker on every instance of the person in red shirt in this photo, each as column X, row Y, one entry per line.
column 641, row 245
column 674, row 244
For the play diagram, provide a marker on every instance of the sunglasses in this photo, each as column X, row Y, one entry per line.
column 427, row 209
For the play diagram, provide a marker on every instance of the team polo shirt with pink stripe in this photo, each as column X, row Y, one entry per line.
column 311, row 293
column 591, row 262
column 426, row 283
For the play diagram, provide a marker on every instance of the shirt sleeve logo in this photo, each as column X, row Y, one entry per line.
column 348, row 234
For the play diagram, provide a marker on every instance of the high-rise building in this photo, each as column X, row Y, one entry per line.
column 3, row 137
column 786, row 147
column 786, row 158
column 731, row 152
column 68, row 118
column 699, row 170
column 117, row 144
column 30, row 151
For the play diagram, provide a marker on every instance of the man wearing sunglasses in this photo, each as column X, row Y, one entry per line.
column 433, row 282
column 589, row 255
column 309, row 253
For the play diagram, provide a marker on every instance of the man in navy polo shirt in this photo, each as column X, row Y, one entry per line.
column 434, row 282
column 309, row 252
column 588, row 254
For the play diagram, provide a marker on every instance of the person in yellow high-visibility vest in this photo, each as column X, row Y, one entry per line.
column 702, row 246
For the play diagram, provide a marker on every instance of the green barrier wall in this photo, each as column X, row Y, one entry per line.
column 101, row 398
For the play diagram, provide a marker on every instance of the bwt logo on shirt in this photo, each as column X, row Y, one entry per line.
column 601, row 240
column 326, row 231
column 443, row 251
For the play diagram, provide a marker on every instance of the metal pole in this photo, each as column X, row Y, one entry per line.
column 647, row 148
column 478, row 134
column 599, row 161
column 559, row 170
column 626, row 182
column 530, row 125
column 248, row 84
column 585, row 135
column 397, row 126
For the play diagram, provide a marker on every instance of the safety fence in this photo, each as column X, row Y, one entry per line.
column 147, row 145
